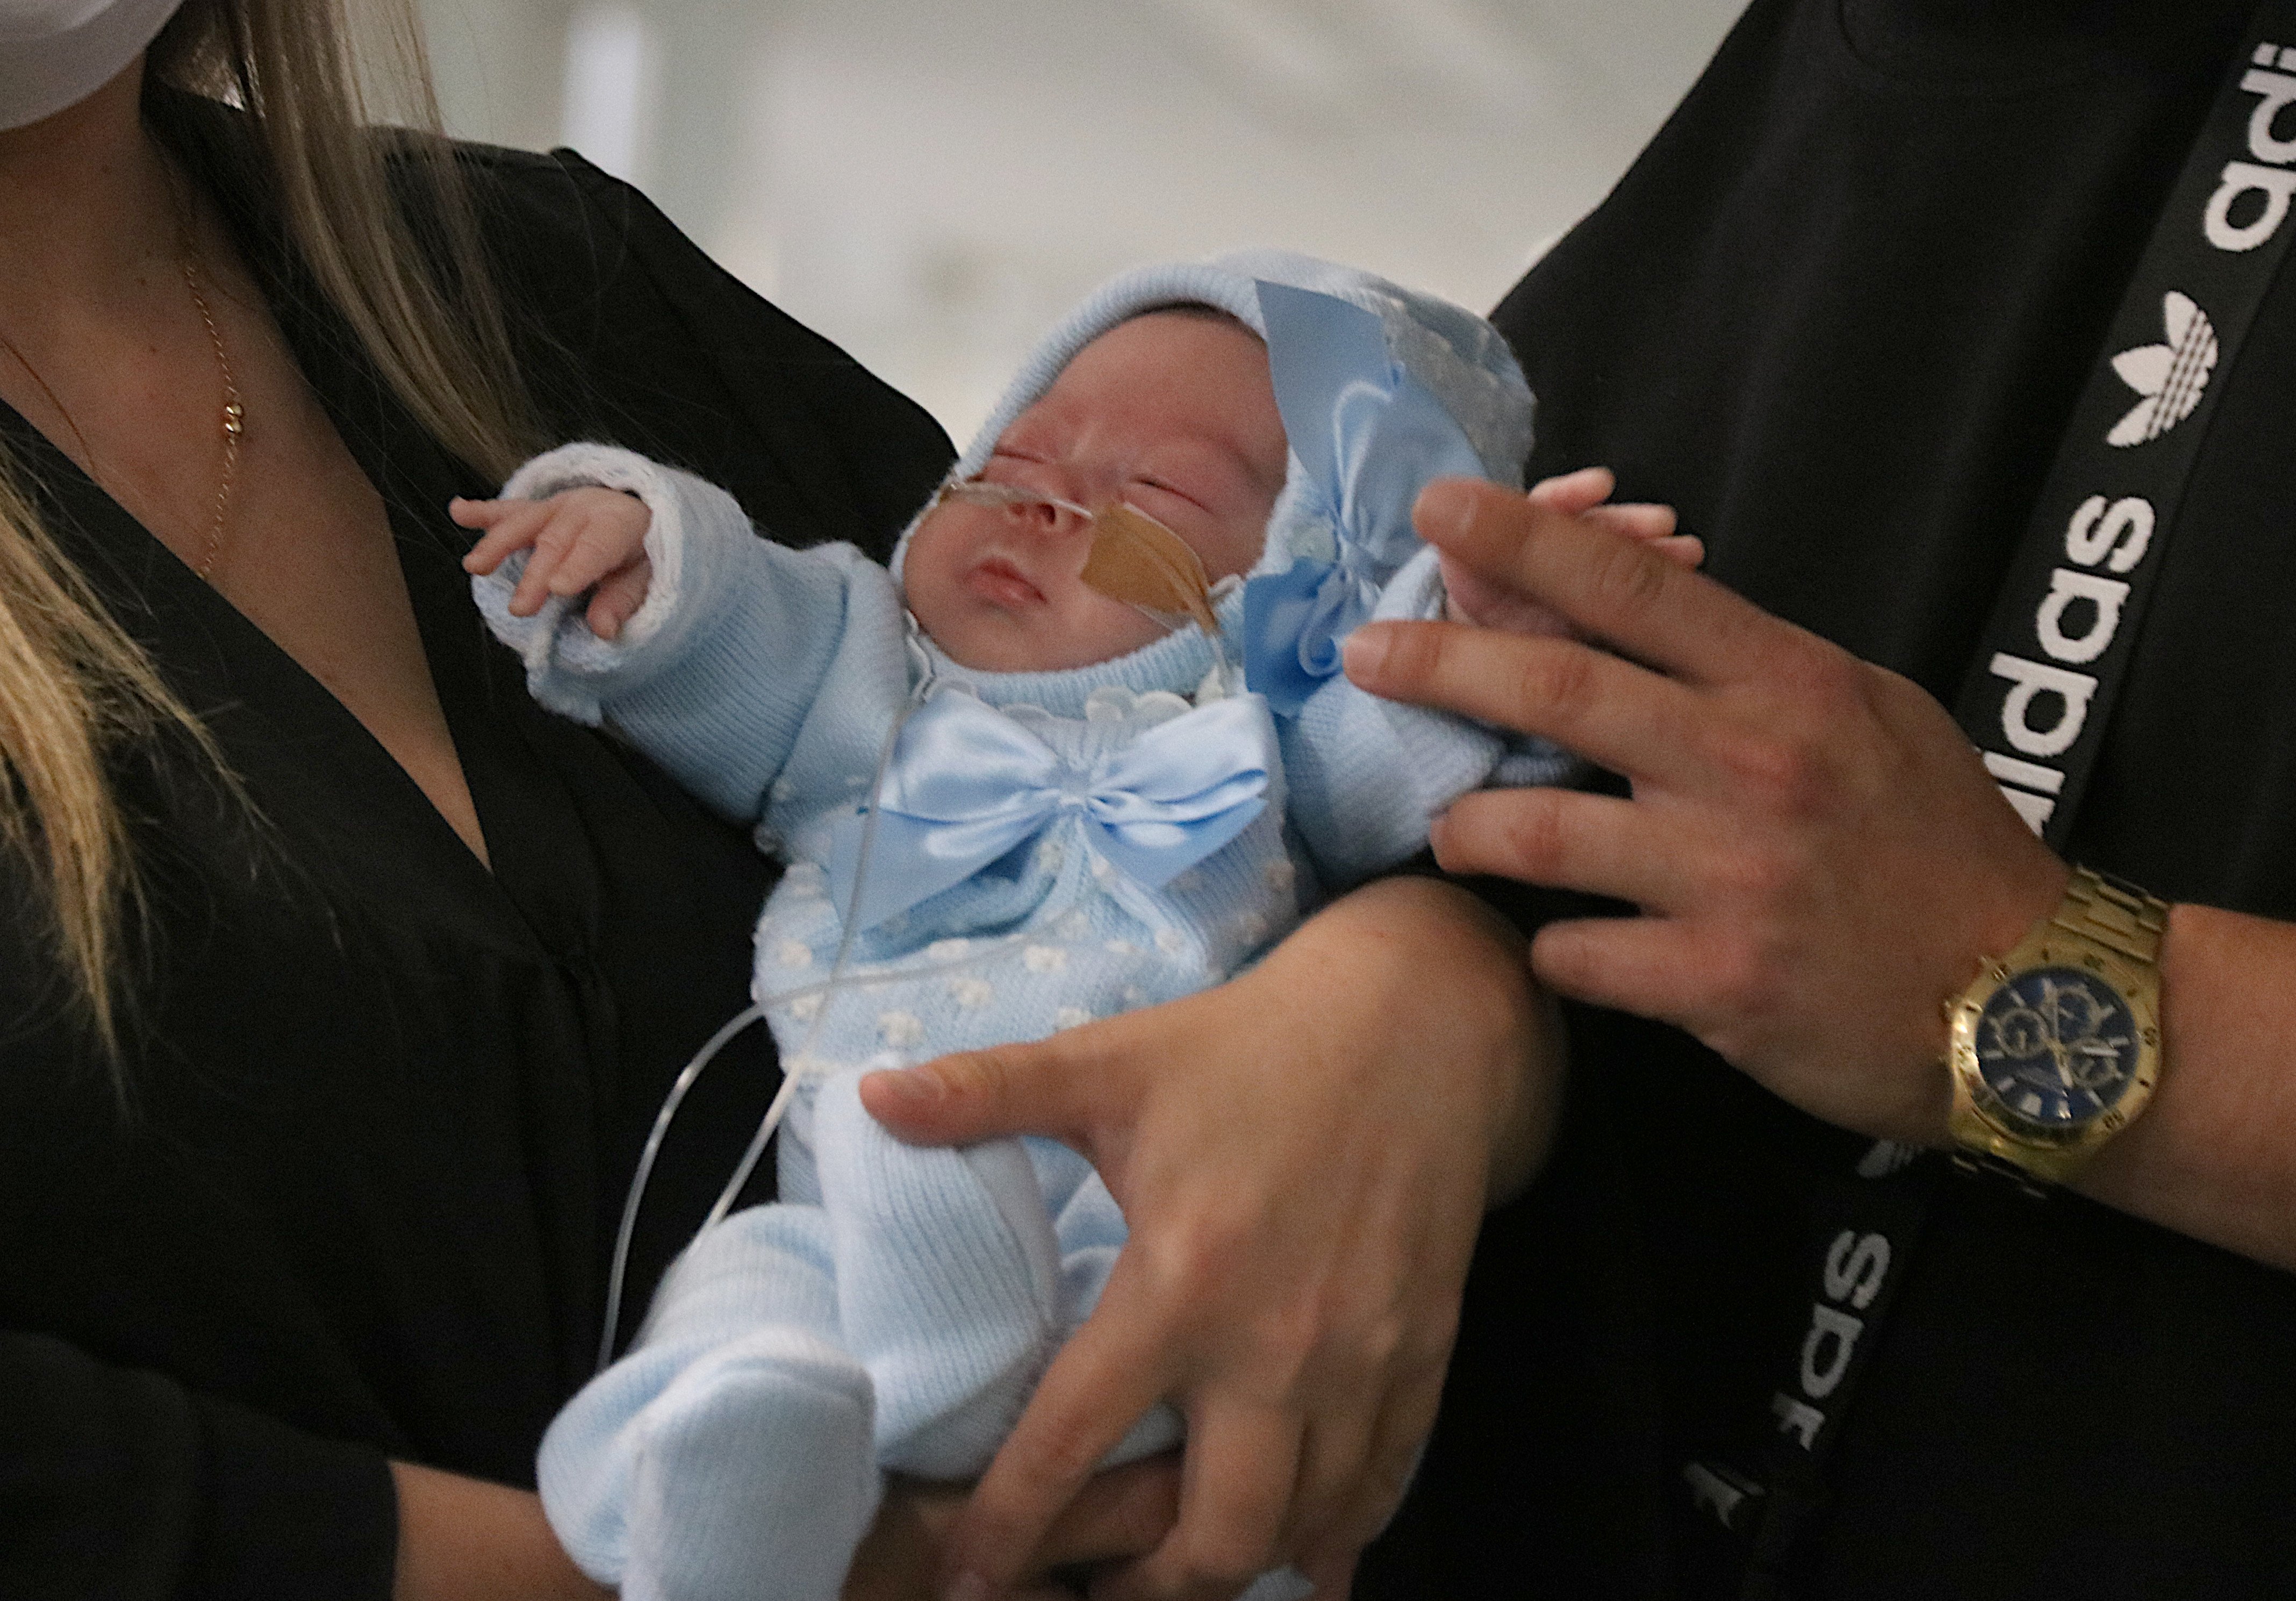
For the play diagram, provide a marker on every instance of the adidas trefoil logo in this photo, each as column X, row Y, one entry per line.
column 2171, row 377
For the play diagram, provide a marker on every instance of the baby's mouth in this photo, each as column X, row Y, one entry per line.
column 1002, row 583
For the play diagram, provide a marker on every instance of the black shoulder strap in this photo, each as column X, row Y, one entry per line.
column 2036, row 702
column 2042, row 689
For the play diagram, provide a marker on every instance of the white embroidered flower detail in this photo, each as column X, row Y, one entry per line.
column 971, row 994
column 1076, row 925
column 1171, row 941
column 1112, row 704
column 1049, row 857
column 948, row 950
column 1070, row 1017
column 792, row 953
column 900, row 1029
column 1251, row 926
column 806, row 880
column 805, row 1008
column 1282, row 874
column 1044, row 958
column 1135, row 995
column 1121, row 947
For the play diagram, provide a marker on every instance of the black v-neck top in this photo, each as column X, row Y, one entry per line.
column 1839, row 313
column 384, row 1103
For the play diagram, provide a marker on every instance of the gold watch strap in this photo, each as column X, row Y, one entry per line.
column 2100, row 910
column 2115, row 913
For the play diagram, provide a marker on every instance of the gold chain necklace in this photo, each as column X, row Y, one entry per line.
column 234, row 414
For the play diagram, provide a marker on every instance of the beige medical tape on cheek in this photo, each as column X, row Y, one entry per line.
column 1137, row 561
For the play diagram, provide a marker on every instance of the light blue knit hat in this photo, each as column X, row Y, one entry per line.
column 1381, row 388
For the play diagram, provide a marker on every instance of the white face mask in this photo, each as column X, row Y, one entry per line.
column 55, row 53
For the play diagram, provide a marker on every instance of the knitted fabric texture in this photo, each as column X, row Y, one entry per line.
column 906, row 1298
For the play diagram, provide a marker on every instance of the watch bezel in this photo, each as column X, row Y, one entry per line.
column 1982, row 1122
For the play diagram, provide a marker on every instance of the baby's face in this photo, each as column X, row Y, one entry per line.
column 1172, row 412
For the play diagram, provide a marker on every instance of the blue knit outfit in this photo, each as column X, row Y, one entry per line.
column 896, row 1307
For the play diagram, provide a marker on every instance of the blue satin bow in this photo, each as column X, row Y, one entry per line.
column 967, row 783
column 1368, row 437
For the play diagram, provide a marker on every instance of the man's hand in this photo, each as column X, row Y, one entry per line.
column 1819, row 856
column 577, row 540
column 1118, row 1515
column 1471, row 597
column 1303, row 1156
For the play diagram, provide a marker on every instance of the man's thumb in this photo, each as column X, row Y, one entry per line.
column 974, row 1095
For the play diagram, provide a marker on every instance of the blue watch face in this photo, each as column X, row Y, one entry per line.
column 2058, row 1046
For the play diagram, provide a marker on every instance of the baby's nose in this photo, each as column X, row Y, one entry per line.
column 1054, row 518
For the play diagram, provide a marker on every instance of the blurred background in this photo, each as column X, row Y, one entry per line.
column 930, row 182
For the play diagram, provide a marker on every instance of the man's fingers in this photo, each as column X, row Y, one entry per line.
column 1241, row 1467
column 1655, row 968
column 1628, row 719
column 1379, row 1485
column 1103, row 1380
column 1122, row 1513
column 1059, row 1088
column 1562, row 839
column 1348, row 1487
column 1612, row 590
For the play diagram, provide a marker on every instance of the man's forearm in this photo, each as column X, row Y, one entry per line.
column 2215, row 1154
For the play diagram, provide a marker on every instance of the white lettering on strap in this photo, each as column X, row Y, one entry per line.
column 2278, row 91
column 1797, row 1418
column 2122, row 531
column 1827, row 1348
column 2275, row 91
column 2033, row 678
column 1856, row 1265
column 2032, row 775
column 2275, row 183
column 2105, row 594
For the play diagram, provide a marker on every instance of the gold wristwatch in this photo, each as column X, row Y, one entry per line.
column 2056, row 1047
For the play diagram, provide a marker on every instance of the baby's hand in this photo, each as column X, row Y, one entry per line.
column 1585, row 494
column 588, row 538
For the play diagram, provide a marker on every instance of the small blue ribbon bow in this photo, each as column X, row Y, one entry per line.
column 968, row 783
column 1368, row 437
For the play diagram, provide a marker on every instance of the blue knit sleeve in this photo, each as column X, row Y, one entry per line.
column 1368, row 775
column 717, row 673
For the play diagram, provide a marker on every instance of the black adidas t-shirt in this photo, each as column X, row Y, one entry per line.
column 1838, row 314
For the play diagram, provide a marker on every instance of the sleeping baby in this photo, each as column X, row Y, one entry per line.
column 1083, row 747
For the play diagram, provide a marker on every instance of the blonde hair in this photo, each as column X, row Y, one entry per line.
column 75, row 690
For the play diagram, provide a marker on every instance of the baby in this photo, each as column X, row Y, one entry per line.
column 1014, row 797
